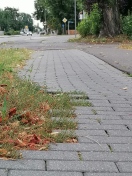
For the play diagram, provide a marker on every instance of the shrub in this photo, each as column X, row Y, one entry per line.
column 12, row 32
column 90, row 25
column 127, row 25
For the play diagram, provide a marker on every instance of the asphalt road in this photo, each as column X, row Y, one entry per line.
column 110, row 53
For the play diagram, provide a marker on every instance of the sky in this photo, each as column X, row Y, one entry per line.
column 26, row 6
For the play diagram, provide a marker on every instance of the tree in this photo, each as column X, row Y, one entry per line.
column 25, row 20
column 111, row 10
column 11, row 19
column 56, row 10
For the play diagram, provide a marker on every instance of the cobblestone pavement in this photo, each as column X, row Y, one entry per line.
column 104, row 130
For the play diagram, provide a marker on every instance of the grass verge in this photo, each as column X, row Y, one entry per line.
column 26, row 110
column 91, row 39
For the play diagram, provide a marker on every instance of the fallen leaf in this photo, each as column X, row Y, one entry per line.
column 20, row 143
column 3, row 85
column 12, row 111
column 43, row 148
column 3, row 152
column 35, row 139
column 45, row 106
column 15, row 124
column 0, row 119
column 2, row 90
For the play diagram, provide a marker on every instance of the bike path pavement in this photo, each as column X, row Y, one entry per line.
column 104, row 131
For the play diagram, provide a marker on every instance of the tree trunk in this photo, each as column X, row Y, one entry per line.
column 111, row 20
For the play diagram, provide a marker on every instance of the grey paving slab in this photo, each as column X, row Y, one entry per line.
column 107, row 156
column 79, row 147
column 122, row 147
column 62, row 66
column 46, row 155
column 90, row 132
column 42, row 173
column 117, row 122
column 105, row 140
column 127, row 116
column 23, row 164
column 107, row 174
column 125, row 166
column 119, row 133
column 101, row 117
column 101, row 127
column 123, row 109
column 3, row 172
column 83, row 166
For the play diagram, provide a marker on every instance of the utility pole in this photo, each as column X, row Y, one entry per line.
column 75, row 16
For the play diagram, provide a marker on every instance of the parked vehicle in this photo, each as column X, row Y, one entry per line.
column 26, row 33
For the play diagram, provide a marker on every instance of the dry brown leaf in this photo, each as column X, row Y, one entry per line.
column 2, row 90
column 21, row 143
column 3, row 152
column 15, row 124
column 43, row 148
column 45, row 106
column 12, row 111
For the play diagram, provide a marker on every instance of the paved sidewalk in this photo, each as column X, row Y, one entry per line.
column 105, row 137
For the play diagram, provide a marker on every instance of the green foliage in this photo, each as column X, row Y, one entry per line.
column 127, row 25
column 12, row 21
column 90, row 25
column 12, row 32
column 55, row 12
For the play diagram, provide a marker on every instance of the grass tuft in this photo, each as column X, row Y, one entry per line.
column 26, row 110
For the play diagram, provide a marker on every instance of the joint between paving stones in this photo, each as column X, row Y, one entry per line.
column 107, row 133
column 117, row 167
column 45, row 165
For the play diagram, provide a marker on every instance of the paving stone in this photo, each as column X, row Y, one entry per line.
column 112, row 113
column 101, row 127
column 81, row 108
column 122, row 147
column 3, row 172
column 89, row 121
column 123, row 109
column 97, row 104
column 117, row 122
column 90, row 132
column 42, row 173
column 120, row 133
column 120, row 105
column 127, row 116
column 23, row 164
column 106, row 156
column 125, row 167
column 105, row 140
column 46, row 155
column 78, row 147
column 107, row 174
column 81, row 166
column 101, row 117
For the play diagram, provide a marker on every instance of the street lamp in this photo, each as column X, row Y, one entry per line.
column 75, row 16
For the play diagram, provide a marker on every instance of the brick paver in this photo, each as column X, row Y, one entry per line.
column 105, row 137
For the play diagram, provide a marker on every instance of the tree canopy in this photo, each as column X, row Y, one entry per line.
column 11, row 19
column 55, row 11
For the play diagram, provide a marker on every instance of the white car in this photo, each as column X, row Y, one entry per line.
column 26, row 33
column 29, row 33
